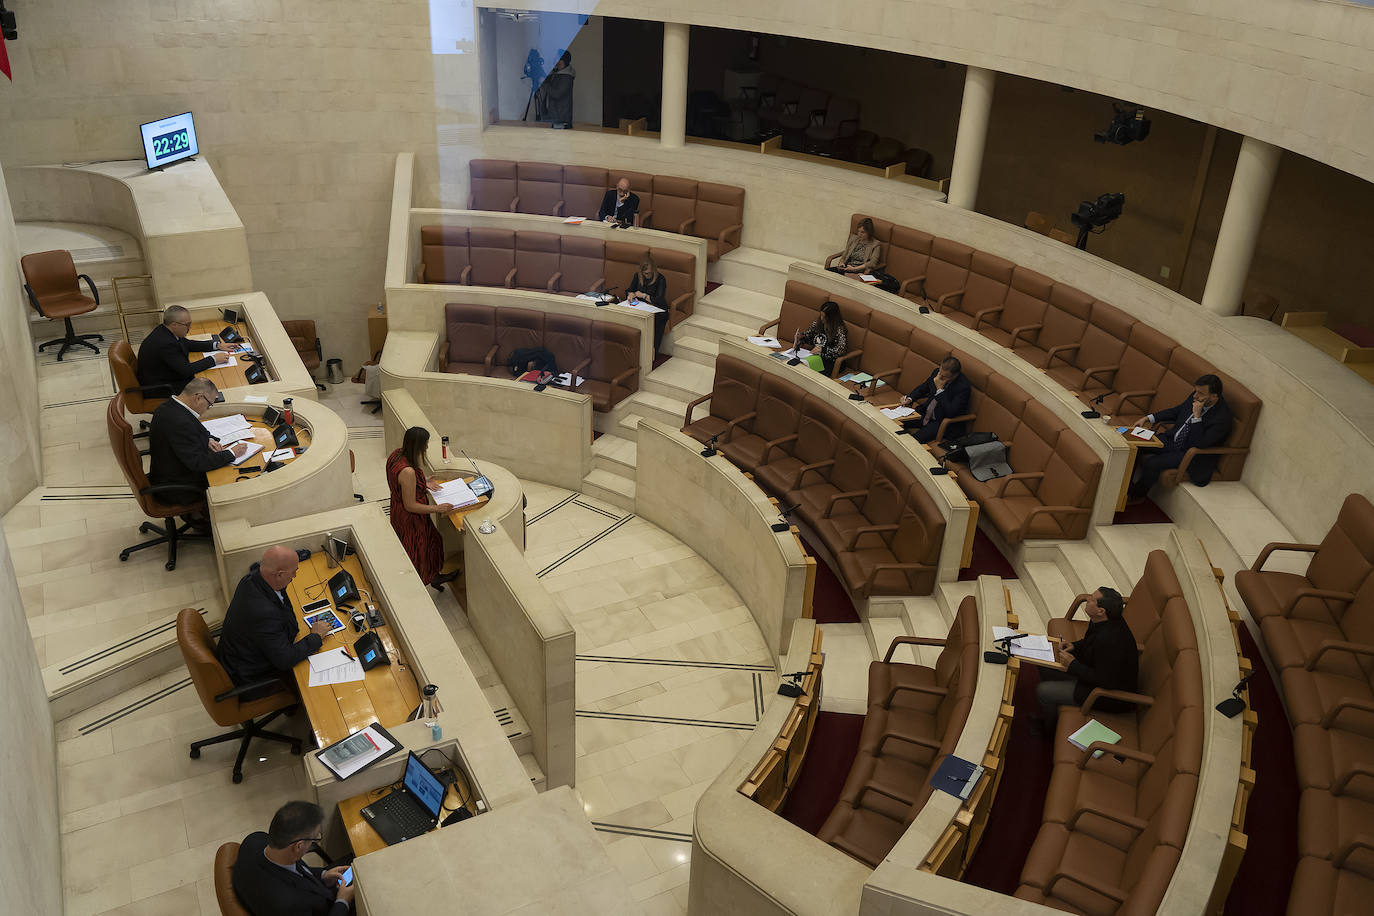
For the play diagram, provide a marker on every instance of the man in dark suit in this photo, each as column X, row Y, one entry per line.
column 271, row 880
column 1203, row 420
column 164, row 357
column 179, row 446
column 1105, row 657
column 945, row 394
column 620, row 205
column 258, row 639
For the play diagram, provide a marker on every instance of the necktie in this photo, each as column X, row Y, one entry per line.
column 1180, row 433
column 930, row 408
column 306, row 873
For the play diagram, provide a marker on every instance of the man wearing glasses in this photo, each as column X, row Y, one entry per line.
column 180, row 447
column 164, row 357
column 271, row 880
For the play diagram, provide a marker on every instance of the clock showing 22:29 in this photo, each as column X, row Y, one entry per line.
column 172, row 143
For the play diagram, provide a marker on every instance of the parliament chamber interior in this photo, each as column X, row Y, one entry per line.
column 692, row 459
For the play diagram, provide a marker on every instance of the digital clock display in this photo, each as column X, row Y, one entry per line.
column 178, row 141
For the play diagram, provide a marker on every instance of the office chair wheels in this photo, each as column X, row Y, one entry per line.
column 238, row 777
column 296, row 748
column 124, row 556
column 195, row 753
column 170, row 565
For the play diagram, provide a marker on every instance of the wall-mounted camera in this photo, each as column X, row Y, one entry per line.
column 1129, row 125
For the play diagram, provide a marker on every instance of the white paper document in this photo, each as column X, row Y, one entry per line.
column 250, row 449
column 1143, row 433
column 898, row 413
column 255, row 399
column 334, row 667
column 800, row 352
column 1031, row 646
column 590, row 297
column 868, row 278
column 238, row 435
column 220, row 426
column 455, row 492
column 332, row 658
column 346, row 757
column 575, row 220
column 282, row 454
column 766, row 342
column 232, row 361
column 642, row 306
column 566, row 380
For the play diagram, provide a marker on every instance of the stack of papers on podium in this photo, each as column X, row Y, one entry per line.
column 590, row 297
column 219, row 427
column 897, row 413
column 251, row 449
column 566, row 380
column 358, row 751
column 334, row 667
column 800, row 353
column 766, row 342
column 455, row 492
column 1140, row 432
column 575, row 220
column 1036, row 648
column 642, row 306
column 868, row 278
column 1091, row 733
column 233, row 361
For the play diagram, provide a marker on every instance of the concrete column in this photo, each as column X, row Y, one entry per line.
column 972, row 136
column 673, row 114
column 1240, row 226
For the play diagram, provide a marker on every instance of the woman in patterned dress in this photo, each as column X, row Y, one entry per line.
column 411, row 508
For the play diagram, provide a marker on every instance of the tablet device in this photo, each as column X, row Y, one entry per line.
column 328, row 615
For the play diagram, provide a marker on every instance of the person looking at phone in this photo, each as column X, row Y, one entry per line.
column 270, row 879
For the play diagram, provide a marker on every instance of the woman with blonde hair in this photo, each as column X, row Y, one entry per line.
column 861, row 255
column 648, row 285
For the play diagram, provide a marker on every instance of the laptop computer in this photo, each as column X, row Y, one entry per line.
column 411, row 810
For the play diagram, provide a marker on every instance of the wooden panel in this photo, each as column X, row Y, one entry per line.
column 262, row 435
column 387, row 693
column 233, row 376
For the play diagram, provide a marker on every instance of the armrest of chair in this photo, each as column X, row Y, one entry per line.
column 834, row 370
column 1123, row 695
column 688, row 224
column 888, row 791
column 1341, row 705
column 95, row 294
column 644, row 218
column 1339, row 646
column 1345, row 597
column 573, row 374
column 1077, row 603
column 730, row 427
column 490, row 358
column 150, row 391
column 514, row 203
column 940, row 303
column 1000, row 483
column 1115, row 750
column 1069, row 511
column 510, row 279
column 1359, row 841
column 962, row 418
column 319, row 349
column 893, row 567
column 623, row 377
column 769, row 446
column 1056, row 353
column 1342, row 781
column 914, row 688
column 1111, row 893
column 983, row 315
column 159, row 488
column 1017, row 332
column 835, row 498
column 1189, row 455
column 771, row 324
column 675, row 306
column 465, row 278
column 552, row 285
column 687, row 420
column 1278, row 545
column 918, row 282
column 33, row 300
column 730, row 231
column 558, row 208
column 1133, row 395
column 890, row 373
column 807, row 468
column 472, row 199
column 868, row 529
column 919, row 742
column 1125, row 820
column 912, row 641
column 443, row 356
column 244, row 688
column 1098, row 370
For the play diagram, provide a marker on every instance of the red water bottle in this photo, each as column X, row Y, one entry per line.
column 443, row 443
column 286, row 414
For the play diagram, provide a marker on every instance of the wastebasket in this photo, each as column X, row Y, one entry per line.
column 335, row 371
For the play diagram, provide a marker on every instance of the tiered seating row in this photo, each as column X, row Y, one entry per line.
column 878, row 522
column 1056, row 474
column 714, row 212
column 915, row 717
column 479, row 340
column 1319, row 628
column 1120, row 366
column 770, row 781
column 549, row 262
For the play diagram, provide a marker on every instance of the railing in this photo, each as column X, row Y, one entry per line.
column 119, row 303
column 772, row 778
column 950, row 854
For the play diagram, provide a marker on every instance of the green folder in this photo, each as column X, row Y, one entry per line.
column 1091, row 733
column 815, row 362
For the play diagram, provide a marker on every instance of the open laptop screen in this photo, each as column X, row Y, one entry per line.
column 420, row 782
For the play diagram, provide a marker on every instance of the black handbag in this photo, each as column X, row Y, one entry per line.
column 955, row 448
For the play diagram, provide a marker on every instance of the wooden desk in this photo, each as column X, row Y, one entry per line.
column 1136, row 445
column 1055, row 641
column 364, row 839
column 233, row 376
column 387, row 694
column 262, row 435
column 457, row 515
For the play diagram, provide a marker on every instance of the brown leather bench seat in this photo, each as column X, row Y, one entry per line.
column 1144, row 604
column 1114, row 826
column 915, row 717
column 1055, row 475
column 549, row 262
column 1117, row 365
column 714, row 212
column 479, row 340
column 879, row 524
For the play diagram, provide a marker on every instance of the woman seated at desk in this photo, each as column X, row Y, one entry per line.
column 648, row 285
column 861, row 254
column 411, row 508
column 827, row 335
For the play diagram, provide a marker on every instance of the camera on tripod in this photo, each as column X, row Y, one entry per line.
column 534, row 67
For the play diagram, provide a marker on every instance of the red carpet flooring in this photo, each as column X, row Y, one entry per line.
column 834, row 744
column 987, row 560
column 1145, row 513
column 830, row 602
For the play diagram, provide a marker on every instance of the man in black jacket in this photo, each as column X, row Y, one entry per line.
column 620, row 205
column 1105, row 657
column 271, row 880
column 179, row 446
column 945, row 394
column 164, row 356
column 258, row 639
column 1203, row 420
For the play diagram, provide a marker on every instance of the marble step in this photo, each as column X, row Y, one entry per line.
column 679, row 378
column 664, row 408
column 847, row 656
column 753, row 269
column 533, row 770
column 615, row 454
column 697, row 350
column 1021, row 603
column 739, row 305
column 706, row 328
column 628, row 427
column 1084, row 569
column 611, row 488
column 881, row 631
column 1049, row 592
column 1123, row 549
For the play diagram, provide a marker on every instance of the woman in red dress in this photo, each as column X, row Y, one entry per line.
column 411, row 508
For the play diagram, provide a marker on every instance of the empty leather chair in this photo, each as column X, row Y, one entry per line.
column 719, row 217
column 54, row 290
column 1023, row 312
column 908, row 260
column 817, row 437
column 921, row 686
column 469, row 339
column 985, row 290
column 845, row 477
column 537, row 259
column 583, row 189
column 614, row 371
column 885, row 345
column 569, row 339
column 582, row 263
column 493, row 257
column 1062, row 328
column 811, row 104
column 865, row 520
column 229, row 904
column 779, row 410
column 906, row 563
column 733, row 399
column 221, row 698
column 1097, row 352
column 775, row 103
column 539, row 188
column 834, row 136
column 1132, row 383
column 306, row 343
column 492, row 185
column 444, row 255
column 884, row 152
column 675, row 204
column 919, row 162
column 947, row 273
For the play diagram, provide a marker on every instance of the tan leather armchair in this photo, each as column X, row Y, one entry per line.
column 221, row 698
column 307, row 344
column 225, row 858
column 138, row 399
column 52, row 285
column 131, row 463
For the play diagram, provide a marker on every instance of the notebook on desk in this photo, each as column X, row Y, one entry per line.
column 411, row 810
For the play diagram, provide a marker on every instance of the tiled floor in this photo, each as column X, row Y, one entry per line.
column 670, row 673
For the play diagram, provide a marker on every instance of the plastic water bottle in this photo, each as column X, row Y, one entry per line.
column 443, row 444
column 287, row 416
column 432, row 710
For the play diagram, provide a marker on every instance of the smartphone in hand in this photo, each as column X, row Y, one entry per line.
column 347, row 877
